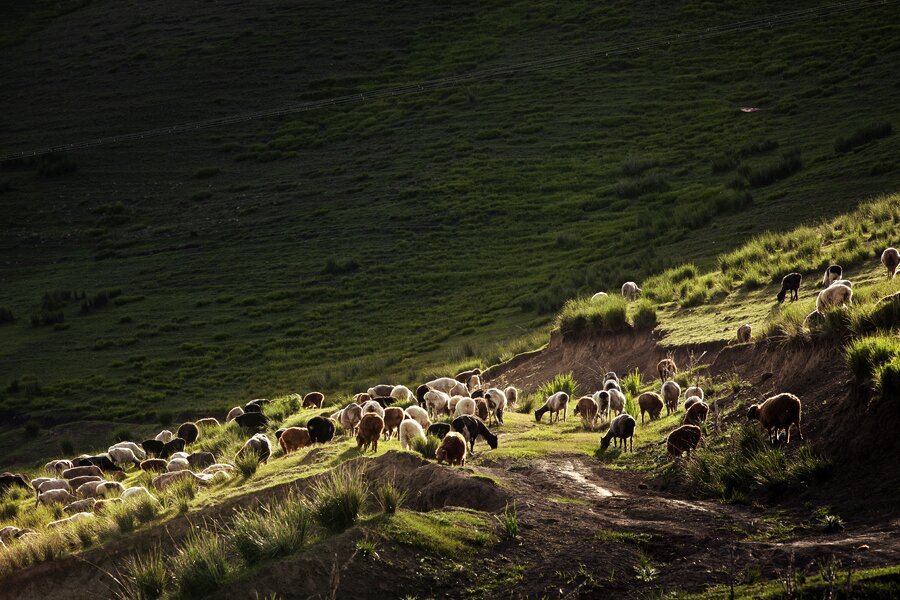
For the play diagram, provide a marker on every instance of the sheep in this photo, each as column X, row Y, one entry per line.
column 178, row 464
column 252, row 408
column 294, row 438
column 890, row 258
column 88, row 490
column 554, row 403
column 259, row 444
column 601, row 399
column 101, row 461
column 313, row 400
column 666, row 368
column 691, row 401
column 164, row 436
column 651, row 403
column 790, row 283
column 393, row 416
column 80, row 506
column 466, row 376
column 454, row 400
column 381, row 390
column 383, row 401
column 587, row 408
column 55, row 497
column 846, row 282
column 207, row 422
column 154, row 464
column 683, row 439
column 138, row 451
column 832, row 274
column 81, row 471
column 616, row 402
column 350, row 417
column 620, row 428
column 744, row 333
column 218, row 468
column 777, row 413
column 321, row 429
column 630, row 290
column 671, row 392
column 420, row 394
column 410, row 430
column 612, row 384
column 11, row 480
column 123, row 457
column 336, row 415
column 137, row 491
column 259, row 402
column 694, row 390
column 189, row 432
column 481, row 408
column 174, row 445
column 54, row 484
column 466, row 406
column 611, row 375
column 200, row 460
column 370, row 428
column 438, row 430
column 419, row 414
column 496, row 403
column 163, row 481
column 696, row 414
column 373, row 406
column 834, row 296
column 452, row 450
column 77, row 482
column 512, row 396
column 101, row 505
column 401, row 393
column 600, row 296
column 183, row 455
column 58, row 466
column 361, row 398
column 437, row 402
column 476, row 394
column 81, row 516
column 9, row 533
column 233, row 414
column 252, row 421
column 154, row 447
column 449, row 386
column 472, row 428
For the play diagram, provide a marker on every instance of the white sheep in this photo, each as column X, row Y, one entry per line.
column 401, row 393
column 449, row 386
column 512, row 396
column 123, row 456
column 138, row 451
column 419, row 414
column 81, row 516
column 372, row 406
column 496, row 404
column 58, row 466
column 137, row 491
column 465, row 406
column 832, row 274
column 436, row 402
column 233, row 414
column 179, row 454
column 88, row 490
column 836, row 295
column 110, row 488
column 694, row 390
column 409, row 431
column 630, row 290
column 54, row 484
column 556, row 403
column 350, row 417
column 55, row 497
column 164, row 436
column 454, row 400
column 37, row 481
column 599, row 296
column 178, row 464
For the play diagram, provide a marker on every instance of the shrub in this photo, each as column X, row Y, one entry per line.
column 143, row 576
column 247, row 463
column 427, row 446
column 563, row 382
column 583, row 315
column 644, row 316
column 862, row 136
column 510, row 521
column 527, row 403
column 634, row 166
column 200, row 565
column 273, row 531
column 645, row 184
column 865, row 355
column 338, row 497
column 789, row 163
column 389, row 497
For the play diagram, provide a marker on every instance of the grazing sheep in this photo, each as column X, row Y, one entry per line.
column 616, row 402
column 81, row 516
column 153, row 447
column 137, row 491
column 370, row 428
column 321, row 429
column 694, row 390
column 178, row 464
column 611, row 375
column 138, row 451
column 9, row 533
column 620, row 428
column 419, row 415
column 336, row 416
column 832, row 274
column 183, row 455
column 207, row 422
column 671, row 392
column 401, row 393
column 496, row 403
column 696, row 414
column 393, row 416
column 666, row 368
column 350, row 417
column 259, row 444
column 11, row 480
column 257, row 402
column 630, row 290
column 439, row 430
column 744, row 333
column 454, row 400
column 294, row 438
column 554, row 404
column 252, row 421
column 449, row 386
column 466, row 406
column 890, row 258
column 512, row 396
column 410, row 430
column 372, row 406
column 174, row 445
column 54, row 484
column 684, row 439
column 846, row 282
column 834, row 296
column 313, row 400
column 612, row 384
column 481, row 408
column 154, row 465
column 253, row 408
column 164, row 436
column 123, row 457
column 56, row 497
column 381, row 390
column 101, row 505
column 599, row 296
column 88, row 490
column 650, row 403
column 101, row 461
column 790, row 283
column 420, row 394
column 82, row 471
column 234, row 413
column 361, row 398
column 80, row 506
column 109, row 488
column 437, row 402
column 161, row 482
column 189, row 432
column 472, row 428
column 383, row 401
column 691, row 401
column 77, row 482
column 452, row 450
column 479, row 393
column 587, row 409
column 218, row 467
column 465, row 376
column 201, row 460
column 777, row 413
column 56, row 466
column 601, row 399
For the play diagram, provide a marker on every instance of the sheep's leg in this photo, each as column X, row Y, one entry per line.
column 800, row 433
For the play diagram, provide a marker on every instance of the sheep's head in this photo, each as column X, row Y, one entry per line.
column 539, row 413
column 605, row 440
column 753, row 412
column 781, row 295
column 492, row 442
column 441, row 454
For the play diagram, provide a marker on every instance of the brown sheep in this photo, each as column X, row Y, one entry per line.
column 587, row 409
column 650, row 403
column 481, row 408
column 452, row 449
column 313, row 400
column 393, row 416
column 890, row 258
column 777, row 413
column 294, row 438
column 744, row 333
column 361, row 398
column 683, row 439
column 371, row 427
column 208, row 422
column 189, row 432
column 696, row 414
column 233, row 414
column 671, row 392
column 666, row 369
column 692, row 400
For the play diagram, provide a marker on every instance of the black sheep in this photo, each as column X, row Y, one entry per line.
column 154, row 447
column 790, row 283
column 11, row 480
column 384, row 401
column 176, row 444
column 472, row 427
column 320, row 429
column 252, row 408
column 420, row 394
column 201, row 460
column 252, row 420
column 100, row 461
column 439, row 430
column 189, row 432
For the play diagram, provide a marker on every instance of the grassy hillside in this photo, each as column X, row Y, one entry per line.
column 366, row 242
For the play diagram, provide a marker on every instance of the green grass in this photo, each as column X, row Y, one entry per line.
column 201, row 564
column 339, row 497
column 875, row 360
column 449, row 533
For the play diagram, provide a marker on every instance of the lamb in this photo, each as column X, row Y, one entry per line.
column 437, row 402
column 696, row 414
column 671, row 392
column 420, row 415
column 790, row 283
column 163, row 436
column 554, row 404
column 380, row 390
column 207, row 422
column 350, row 417
column 472, row 428
column 496, row 403
column 178, row 464
column 410, row 430
column 252, row 420
column 313, row 400
column 512, row 396
column 82, row 471
column 890, row 258
column 832, row 274
column 81, row 516
column 55, row 497
column 294, row 438
column 259, row 444
column 123, row 457
column 650, row 403
column 154, row 447
column 109, row 488
column 777, row 413
column 621, row 428
column 587, row 409
column 321, row 430
column 58, row 466
column 694, row 390
column 683, row 439
column 452, row 450
column 189, row 432
column 401, row 393
column 372, row 406
column 691, row 401
column 744, row 333
column 466, row 406
column 233, row 414
column 666, row 368
column 630, row 290
column 137, row 491
column 600, row 296
column 439, row 430
column 138, row 451
column 154, row 464
column 80, row 506
column 834, row 296
column 370, row 428
column 200, row 460
column 393, row 416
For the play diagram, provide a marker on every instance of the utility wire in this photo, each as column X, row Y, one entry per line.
column 771, row 21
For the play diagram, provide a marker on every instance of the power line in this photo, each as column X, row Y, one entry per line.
column 771, row 21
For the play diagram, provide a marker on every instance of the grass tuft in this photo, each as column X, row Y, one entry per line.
column 339, row 497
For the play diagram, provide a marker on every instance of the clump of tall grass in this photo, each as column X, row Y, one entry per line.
column 339, row 497
column 876, row 359
column 179, row 494
column 247, row 463
column 143, row 576
column 281, row 408
column 426, row 446
column 390, row 497
column 644, row 315
column 583, row 315
column 563, row 382
column 200, row 565
column 527, row 403
column 282, row 528
column 861, row 136
column 632, row 383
